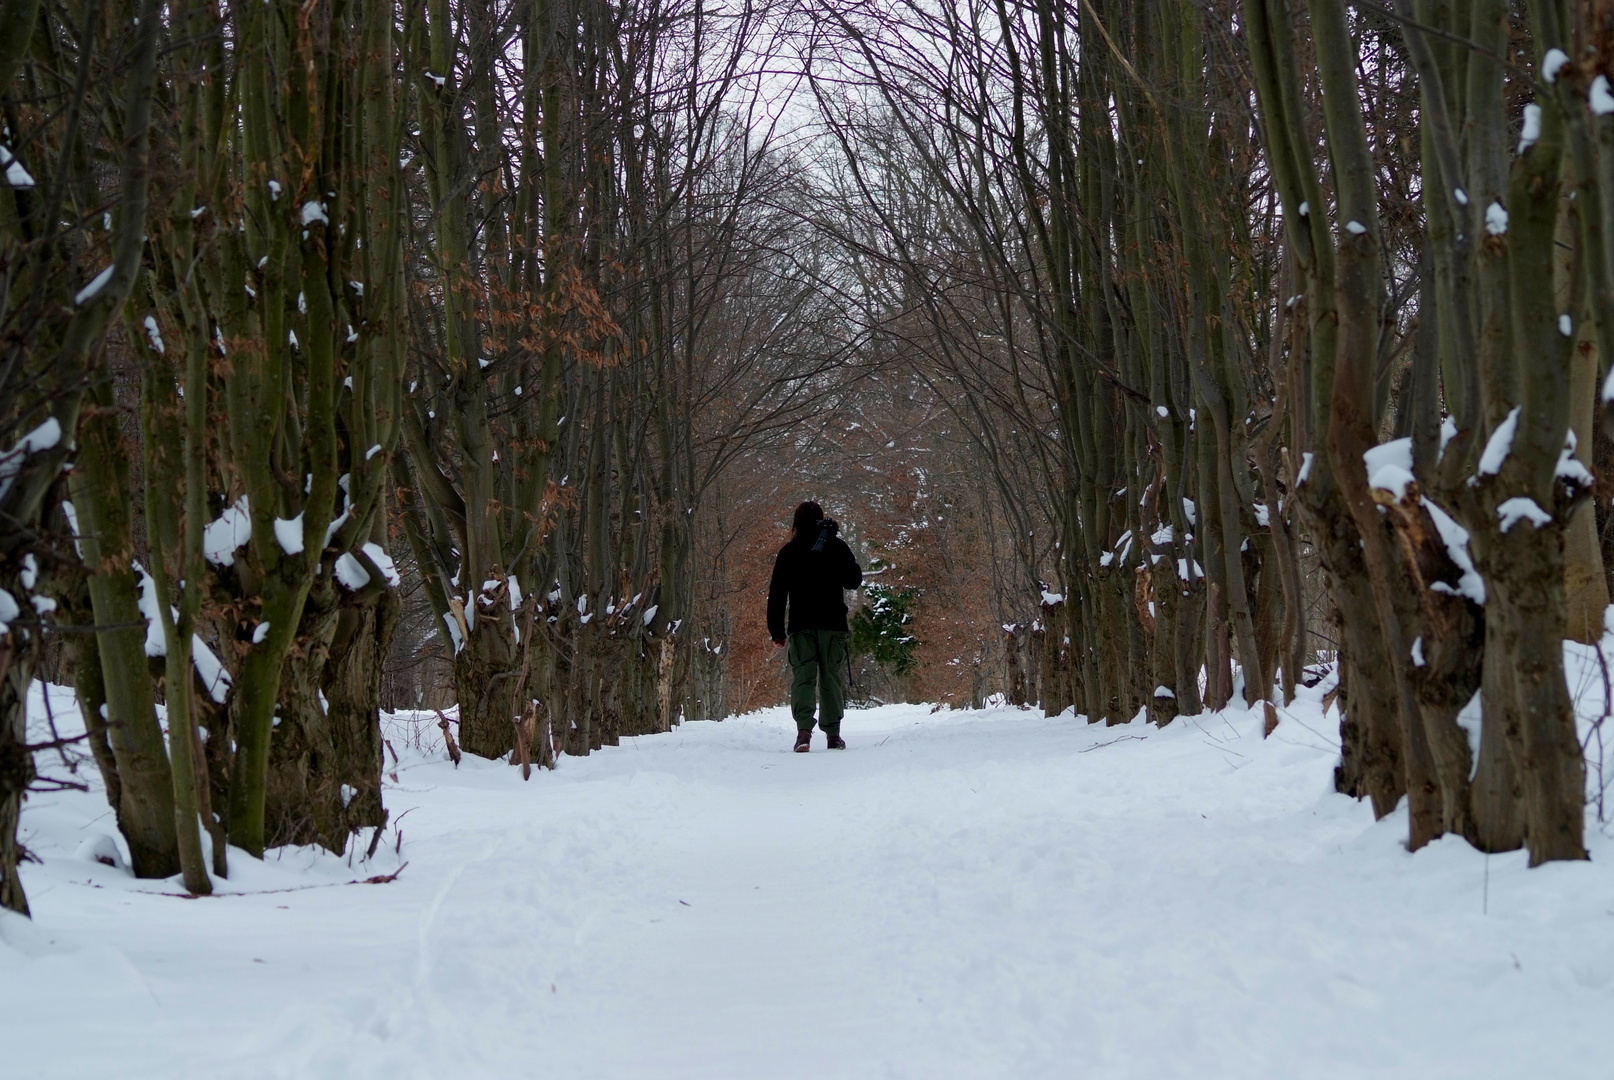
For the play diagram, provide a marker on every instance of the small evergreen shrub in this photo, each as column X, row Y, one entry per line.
column 880, row 628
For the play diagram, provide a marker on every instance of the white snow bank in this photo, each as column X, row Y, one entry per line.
column 960, row 896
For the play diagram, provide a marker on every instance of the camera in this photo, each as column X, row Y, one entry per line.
column 826, row 529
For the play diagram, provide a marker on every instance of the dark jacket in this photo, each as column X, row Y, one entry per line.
column 812, row 582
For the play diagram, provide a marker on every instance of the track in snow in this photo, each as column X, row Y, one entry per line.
column 992, row 895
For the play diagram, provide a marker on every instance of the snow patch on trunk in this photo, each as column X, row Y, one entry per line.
column 215, row 680
column 16, row 175
column 232, row 529
column 156, row 640
column 1389, row 466
column 1455, row 537
column 351, row 573
column 1519, row 508
column 289, row 534
column 383, row 562
column 1500, row 444
column 93, row 289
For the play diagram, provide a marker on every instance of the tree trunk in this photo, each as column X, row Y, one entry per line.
column 100, row 486
column 1447, row 654
column 1165, row 594
column 1188, row 649
column 667, row 653
column 1015, row 687
column 16, row 766
column 1497, row 794
column 88, row 689
column 1524, row 601
column 1585, row 584
column 325, row 754
column 1116, row 608
column 1371, row 763
column 1054, row 694
column 486, row 671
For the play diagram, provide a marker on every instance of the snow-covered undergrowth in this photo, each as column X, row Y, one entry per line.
column 986, row 894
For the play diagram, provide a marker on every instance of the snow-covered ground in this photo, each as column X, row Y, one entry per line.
column 961, row 894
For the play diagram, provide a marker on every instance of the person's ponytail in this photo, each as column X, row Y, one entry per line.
column 804, row 525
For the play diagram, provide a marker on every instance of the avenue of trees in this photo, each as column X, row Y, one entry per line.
column 1278, row 324
column 511, row 283
column 1163, row 352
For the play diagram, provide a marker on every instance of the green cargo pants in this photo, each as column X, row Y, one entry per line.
column 818, row 657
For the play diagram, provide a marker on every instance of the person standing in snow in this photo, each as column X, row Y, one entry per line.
column 809, row 577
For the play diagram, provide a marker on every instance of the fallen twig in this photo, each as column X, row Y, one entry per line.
column 1112, row 742
column 379, row 879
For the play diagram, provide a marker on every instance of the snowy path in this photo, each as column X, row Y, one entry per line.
column 982, row 895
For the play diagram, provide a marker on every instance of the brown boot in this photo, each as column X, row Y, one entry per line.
column 804, row 741
column 835, row 740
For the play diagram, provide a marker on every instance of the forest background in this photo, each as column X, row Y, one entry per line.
column 366, row 353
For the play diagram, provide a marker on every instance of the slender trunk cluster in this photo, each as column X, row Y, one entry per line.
column 1461, row 525
column 515, row 278
column 1097, row 159
column 78, row 90
column 230, row 581
column 1340, row 355
column 592, row 293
